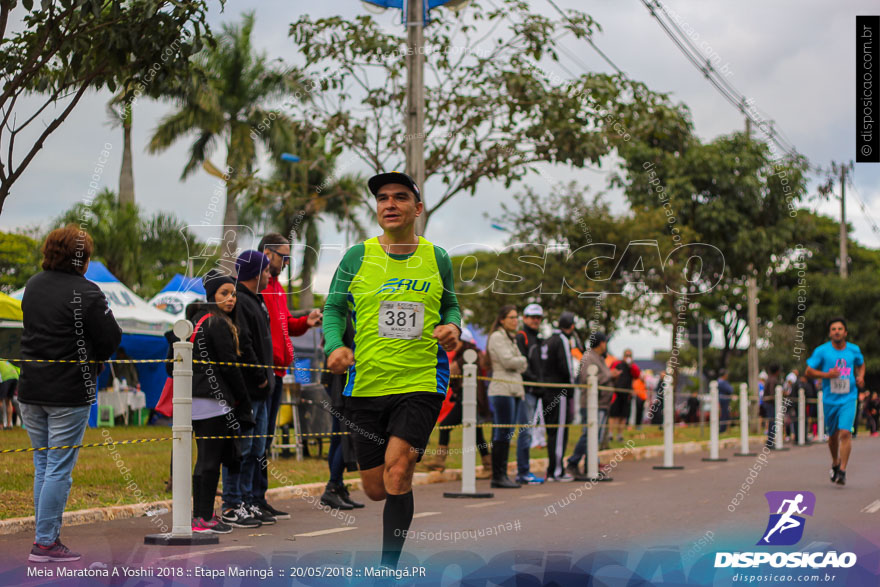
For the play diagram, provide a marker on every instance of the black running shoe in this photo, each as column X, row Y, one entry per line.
column 240, row 517
column 841, row 477
column 260, row 514
column 835, row 471
column 57, row 552
column 277, row 514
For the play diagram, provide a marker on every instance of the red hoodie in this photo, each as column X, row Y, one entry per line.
column 283, row 325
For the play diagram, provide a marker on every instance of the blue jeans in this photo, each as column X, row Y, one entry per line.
column 504, row 410
column 273, row 405
column 580, row 449
column 240, row 487
column 524, row 415
column 53, row 426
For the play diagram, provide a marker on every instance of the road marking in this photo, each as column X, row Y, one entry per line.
column 872, row 508
column 692, row 471
column 534, row 496
column 425, row 514
column 710, row 467
column 646, row 478
column 178, row 557
column 668, row 475
column 485, row 505
column 330, row 531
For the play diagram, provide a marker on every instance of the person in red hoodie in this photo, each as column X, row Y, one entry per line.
column 277, row 248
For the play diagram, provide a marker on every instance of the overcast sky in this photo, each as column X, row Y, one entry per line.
column 795, row 58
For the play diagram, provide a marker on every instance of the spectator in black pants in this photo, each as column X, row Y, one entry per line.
column 221, row 405
column 341, row 452
column 558, row 367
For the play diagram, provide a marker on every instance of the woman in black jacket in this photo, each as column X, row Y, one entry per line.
column 66, row 321
column 221, row 406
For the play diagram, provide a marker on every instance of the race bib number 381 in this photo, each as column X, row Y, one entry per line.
column 404, row 320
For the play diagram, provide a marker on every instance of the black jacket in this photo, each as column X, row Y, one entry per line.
column 556, row 359
column 529, row 343
column 214, row 342
column 255, row 340
column 66, row 316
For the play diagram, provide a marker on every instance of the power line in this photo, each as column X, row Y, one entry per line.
column 592, row 44
column 720, row 83
column 860, row 201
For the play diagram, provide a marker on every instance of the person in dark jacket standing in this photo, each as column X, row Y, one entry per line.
column 558, row 368
column 529, row 342
column 255, row 343
column 66, row 318
column 221, row 405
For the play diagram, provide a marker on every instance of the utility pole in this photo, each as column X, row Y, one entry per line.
column 843, row 221
column 415, row 99
column 752, row 296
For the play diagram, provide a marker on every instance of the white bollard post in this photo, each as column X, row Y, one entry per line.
column 714, row 408
column 181, row 459
column 592, row 466
column 802, row 417
column 668, row 425
column 744, row 422
column 779, row 420
column 632, row 410
column 469, row 432
column 820, row 428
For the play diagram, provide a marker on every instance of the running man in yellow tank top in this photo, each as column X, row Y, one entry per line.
column 398, row 290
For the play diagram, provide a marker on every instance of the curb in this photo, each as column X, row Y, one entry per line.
column 314, row 490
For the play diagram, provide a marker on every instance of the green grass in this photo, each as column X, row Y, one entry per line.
column 98, row 480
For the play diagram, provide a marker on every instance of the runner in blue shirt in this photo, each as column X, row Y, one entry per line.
column 841, row 367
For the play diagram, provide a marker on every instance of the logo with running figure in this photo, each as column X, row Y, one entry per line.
column 395, row 284
column 844, row 370
column 786, row 525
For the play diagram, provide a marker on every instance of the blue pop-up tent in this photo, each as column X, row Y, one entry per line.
column 177, row 294
column 143, row 329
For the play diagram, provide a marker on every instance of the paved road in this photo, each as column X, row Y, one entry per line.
column 553, row 532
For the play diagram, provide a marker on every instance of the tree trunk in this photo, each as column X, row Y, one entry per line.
column 126, row 174
column 229, row 239
column 309, row 262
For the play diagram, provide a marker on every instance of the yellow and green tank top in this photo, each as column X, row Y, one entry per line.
column 394, row 302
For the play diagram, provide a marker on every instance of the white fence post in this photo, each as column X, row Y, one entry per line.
column 820, row 428
column 181, row 460
column 713, row 423
column 668, row 425
column 802, row 417
column 469, row 433
column 744, row 422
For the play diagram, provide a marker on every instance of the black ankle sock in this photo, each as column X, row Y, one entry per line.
column 396, row 520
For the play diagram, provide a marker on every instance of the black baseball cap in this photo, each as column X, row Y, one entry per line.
column 377, row 181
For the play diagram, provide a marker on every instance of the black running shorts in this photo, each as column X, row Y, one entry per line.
column 372, row 421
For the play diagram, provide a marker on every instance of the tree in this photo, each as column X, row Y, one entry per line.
column 120, row 112
column 19, row 260
column 555, row 255
column 490, row 114
column 227, row 101
column 65, row 48
column 299, row 196
column 731, row 194
column 143, row 253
